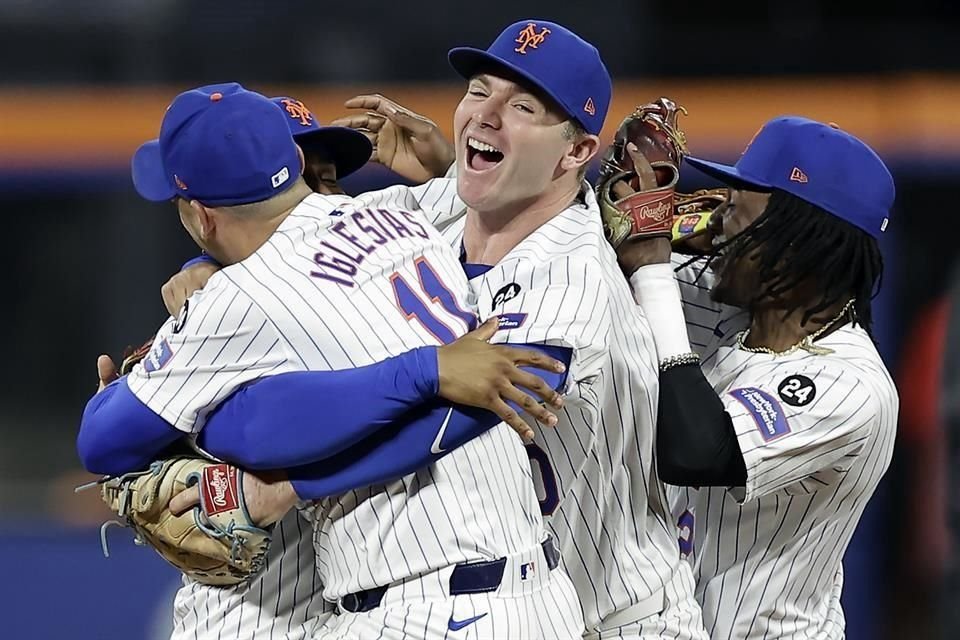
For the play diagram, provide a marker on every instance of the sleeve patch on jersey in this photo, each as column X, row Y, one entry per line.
column 797, row 390
column 511, row 321
column 766, row 412
column 158, row 357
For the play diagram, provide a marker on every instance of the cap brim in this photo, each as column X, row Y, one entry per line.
column 149, row 178
column 348, row 149
column 729, row 175
column 468, row 61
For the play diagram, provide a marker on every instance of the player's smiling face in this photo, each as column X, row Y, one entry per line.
column 510, row 145
column 737, row 278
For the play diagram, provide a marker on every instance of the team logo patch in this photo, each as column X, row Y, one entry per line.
column 527, row 570
column 218, row 489
column 530, row 37
column 511, row 321
column 507, row 292
column 766, row 412
column 158, row 357
column 182, row 318
column 797, row 390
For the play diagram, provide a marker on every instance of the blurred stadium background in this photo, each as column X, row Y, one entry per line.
column 83, row 83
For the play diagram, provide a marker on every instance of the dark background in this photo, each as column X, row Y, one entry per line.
column 84, row 257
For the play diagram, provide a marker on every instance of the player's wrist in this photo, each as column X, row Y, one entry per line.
column 424, row 370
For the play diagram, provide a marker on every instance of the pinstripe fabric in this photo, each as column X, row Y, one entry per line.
column 282, row 603
column 533, row 604
column 320, row 294
column 767, row 556
column 617, row 540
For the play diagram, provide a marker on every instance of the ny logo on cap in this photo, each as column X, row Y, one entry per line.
column 589, row 107
column 798, row 176
column 530, row 38
column 297, row 109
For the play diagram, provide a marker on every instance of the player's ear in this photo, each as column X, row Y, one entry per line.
column 582, row 149
column 303, row 160
column 205, row 219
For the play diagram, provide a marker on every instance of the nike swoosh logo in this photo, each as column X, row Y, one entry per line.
column 435, row 447
column 456, row 625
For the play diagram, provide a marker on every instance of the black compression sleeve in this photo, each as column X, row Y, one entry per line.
column 696, row 443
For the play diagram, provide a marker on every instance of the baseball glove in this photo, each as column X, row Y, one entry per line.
column 648, row 210
column 132, row 356
column 215, row 543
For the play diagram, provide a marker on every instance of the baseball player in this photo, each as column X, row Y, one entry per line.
column 284, row 600
column 780, row 422
column 530, row 240
column 331, row 307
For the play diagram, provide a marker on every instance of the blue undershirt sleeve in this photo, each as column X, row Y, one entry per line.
column 420, row 438
column 295, row 418
column 119, row 434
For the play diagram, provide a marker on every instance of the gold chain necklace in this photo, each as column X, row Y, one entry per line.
column 806, row 344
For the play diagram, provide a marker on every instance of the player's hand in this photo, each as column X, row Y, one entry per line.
column 182, row 285
column 403, row 141
column 636, row 252
column 268, row 497
column 478, row 374
column 106, row 371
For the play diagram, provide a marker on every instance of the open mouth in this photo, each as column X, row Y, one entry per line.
column 482, row 156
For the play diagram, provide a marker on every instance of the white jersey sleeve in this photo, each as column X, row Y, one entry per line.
column 800, row 426
column 220, row 341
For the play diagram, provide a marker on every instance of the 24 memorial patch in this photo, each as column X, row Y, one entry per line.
column 797, row 390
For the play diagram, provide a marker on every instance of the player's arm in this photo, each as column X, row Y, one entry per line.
column 220, row 342
column 297, row 418
column 763, row 436
column 421, row 438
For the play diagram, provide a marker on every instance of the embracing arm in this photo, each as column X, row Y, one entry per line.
column 420, row 438
column 696, row 443
column 296, row 418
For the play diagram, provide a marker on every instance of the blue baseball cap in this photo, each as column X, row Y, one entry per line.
column 220, row 144
column 347, row 148
column 816, row 162
column 552, row 58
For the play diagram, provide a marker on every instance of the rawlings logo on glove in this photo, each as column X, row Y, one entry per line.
column 215, row 543
column 636, row 189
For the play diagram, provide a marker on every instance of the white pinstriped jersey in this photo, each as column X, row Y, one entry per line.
column 597, row 483
column 344, row 283
column 817, row 434
column 282, row 603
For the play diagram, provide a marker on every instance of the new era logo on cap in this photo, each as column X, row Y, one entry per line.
column 797, row 175
column 589, row 107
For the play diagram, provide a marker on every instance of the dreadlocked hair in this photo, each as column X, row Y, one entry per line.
column 795, row 242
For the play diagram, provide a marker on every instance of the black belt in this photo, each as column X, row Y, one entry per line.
column 469, row 577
